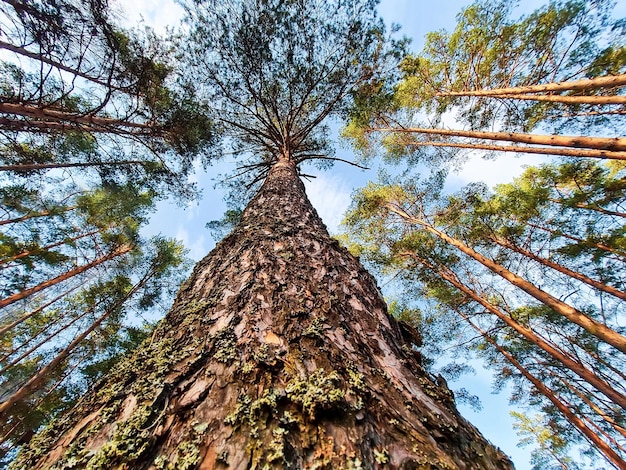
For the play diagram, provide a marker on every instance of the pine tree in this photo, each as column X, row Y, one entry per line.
column 278, row 351
column 557, row 70
column 466, row 251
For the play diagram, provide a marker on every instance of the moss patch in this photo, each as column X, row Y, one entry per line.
column 319, row 391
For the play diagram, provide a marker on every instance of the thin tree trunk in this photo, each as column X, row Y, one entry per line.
column 40, row 400
column 609, row 81
column 571, row 364
column 44, row 166
column 39, row 378
column 599, row 246
column 592, row 326
column 590, row 207
column 593, row 100
column 47, row 247
column 580, row 153
column 560, row 268
column 601, row 433
column 42, row 58
column 57, row 114
column 588, row 113
column 38, row 214
column 593, row 406
column 63, row 277
column 38, row 126
column 606, row 450
column 32, row 313
column 43, row 341
column 615, row 144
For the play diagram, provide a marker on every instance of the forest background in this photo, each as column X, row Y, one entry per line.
column 330, row 191
column 331, row 194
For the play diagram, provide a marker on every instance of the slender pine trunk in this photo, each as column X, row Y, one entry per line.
column 64, row 277
column 609, row 81
column 592, row 326
column 570, row 363
column 613, row 144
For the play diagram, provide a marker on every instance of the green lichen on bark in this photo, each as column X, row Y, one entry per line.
column 248, row 411
column 225, row 345
column 315, row 328
column 319, row 391
column 128, row 443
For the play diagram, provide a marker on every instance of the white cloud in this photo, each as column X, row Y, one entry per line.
column 493, row 171
column 330, row 195
column 198, row 247
column 157, row 14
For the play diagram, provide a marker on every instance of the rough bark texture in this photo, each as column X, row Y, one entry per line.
column 278, row 353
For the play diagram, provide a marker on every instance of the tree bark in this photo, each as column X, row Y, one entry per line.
column 610, row 81
column 613, row 144
column 592, row 326
column 278, row 353
column 578, row 153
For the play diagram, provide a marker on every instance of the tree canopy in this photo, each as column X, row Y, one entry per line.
column 558, row 69
column 80, row 92
column 530, row 276
column 275, row 71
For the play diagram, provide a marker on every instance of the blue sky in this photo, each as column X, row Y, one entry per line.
column 330, row 191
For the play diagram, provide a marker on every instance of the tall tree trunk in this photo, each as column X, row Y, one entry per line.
column 609, row 81
column 43, row 112
column 609, row 453
column 278, row 353
column 567, row 360
column 597, row 100
column 616, row 144
column 578, row 153
column 122, row 250
column 590, row 403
